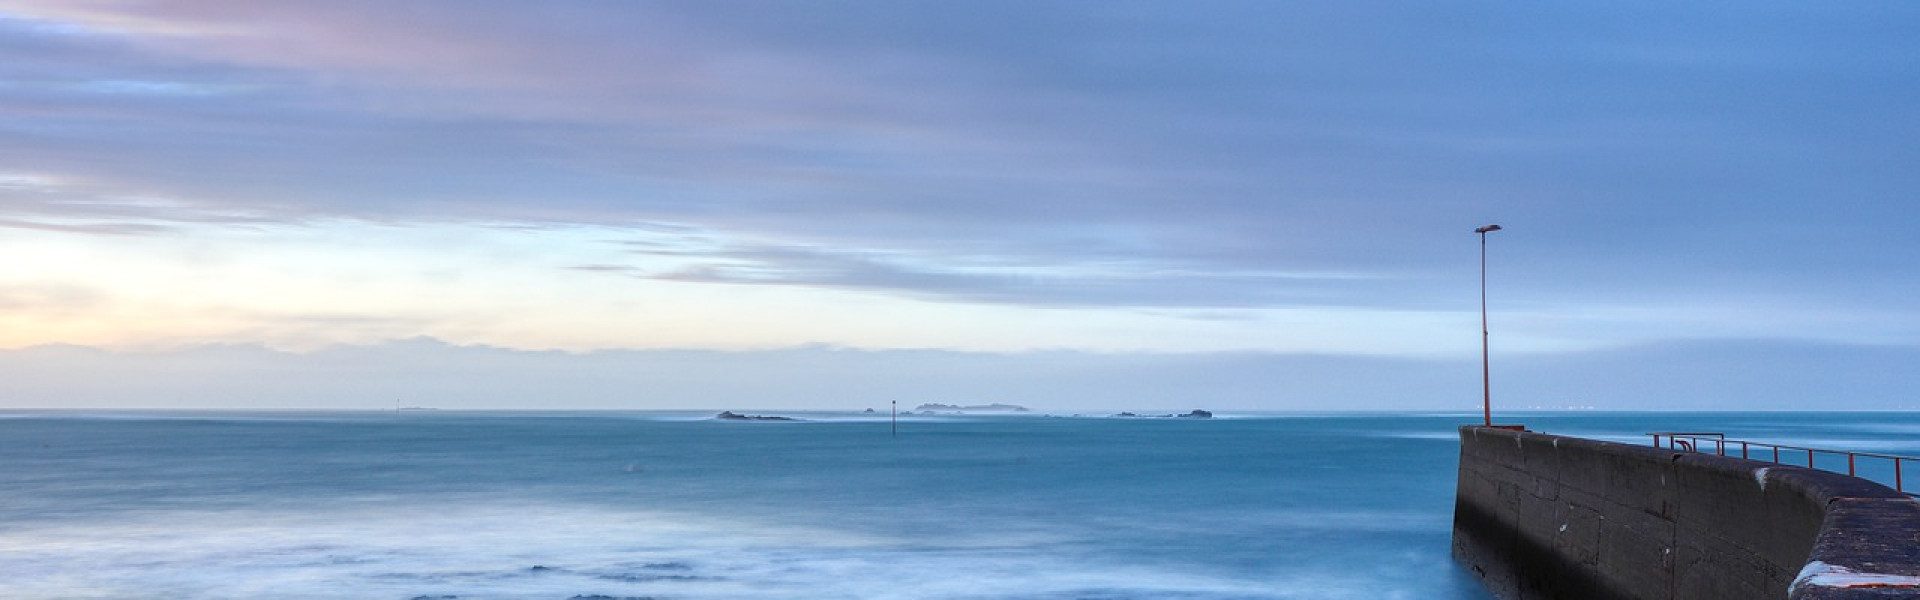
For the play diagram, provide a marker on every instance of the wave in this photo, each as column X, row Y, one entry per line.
column 494, row 550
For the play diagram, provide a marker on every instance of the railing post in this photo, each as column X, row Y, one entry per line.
column 1849, row 464
column 1720, row 445
column 1809, row 458
column 1743, row 449
column 1656, row 440
column 1776, row 455
column 1897, row 486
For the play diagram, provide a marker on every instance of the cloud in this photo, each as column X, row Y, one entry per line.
column 59, row 298
column 1130, row 155
column 990, row 282
column 86, row 228
column 64, row 205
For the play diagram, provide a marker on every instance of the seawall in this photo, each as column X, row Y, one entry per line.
column 1540, row 516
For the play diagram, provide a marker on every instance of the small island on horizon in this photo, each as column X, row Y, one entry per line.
column 1195, row 414
column 727, row 415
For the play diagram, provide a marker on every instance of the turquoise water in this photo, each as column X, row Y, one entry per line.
column 442, row 504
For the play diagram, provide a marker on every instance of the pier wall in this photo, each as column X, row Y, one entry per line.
column 1541, row 517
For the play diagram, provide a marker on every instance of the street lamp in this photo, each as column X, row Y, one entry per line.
column 1486, row 378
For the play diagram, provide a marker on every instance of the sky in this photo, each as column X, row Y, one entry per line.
column 1076, row 205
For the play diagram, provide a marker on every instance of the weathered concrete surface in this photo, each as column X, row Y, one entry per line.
column 1541, row 516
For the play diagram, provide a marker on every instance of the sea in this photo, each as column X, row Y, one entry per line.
column 444, row 505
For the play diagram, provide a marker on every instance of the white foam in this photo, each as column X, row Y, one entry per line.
column 1760, row 476
column 1821, row 574
column 490, row 551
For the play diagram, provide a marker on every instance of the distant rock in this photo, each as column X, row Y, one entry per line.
column 727, row 415
column 995, row 407
column 1196, row 414
column 869, row 411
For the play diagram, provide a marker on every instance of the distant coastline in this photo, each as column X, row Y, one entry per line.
column 1195, row 414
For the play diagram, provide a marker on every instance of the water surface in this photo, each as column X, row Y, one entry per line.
column 445, row 504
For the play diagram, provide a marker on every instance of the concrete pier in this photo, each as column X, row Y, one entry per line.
column 1540, row 516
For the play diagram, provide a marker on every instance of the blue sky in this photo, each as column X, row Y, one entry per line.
column 997, row 185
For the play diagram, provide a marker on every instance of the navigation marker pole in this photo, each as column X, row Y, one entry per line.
column 1486, row 378
column 893, row 414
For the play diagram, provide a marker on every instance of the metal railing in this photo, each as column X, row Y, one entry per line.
column 1695, row 441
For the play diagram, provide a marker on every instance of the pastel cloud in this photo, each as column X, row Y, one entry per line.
column 998, row 159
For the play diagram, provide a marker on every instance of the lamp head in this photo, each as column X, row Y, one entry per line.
column 1486, row 229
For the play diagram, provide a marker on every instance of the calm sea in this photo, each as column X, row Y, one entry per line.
column 441, row 505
